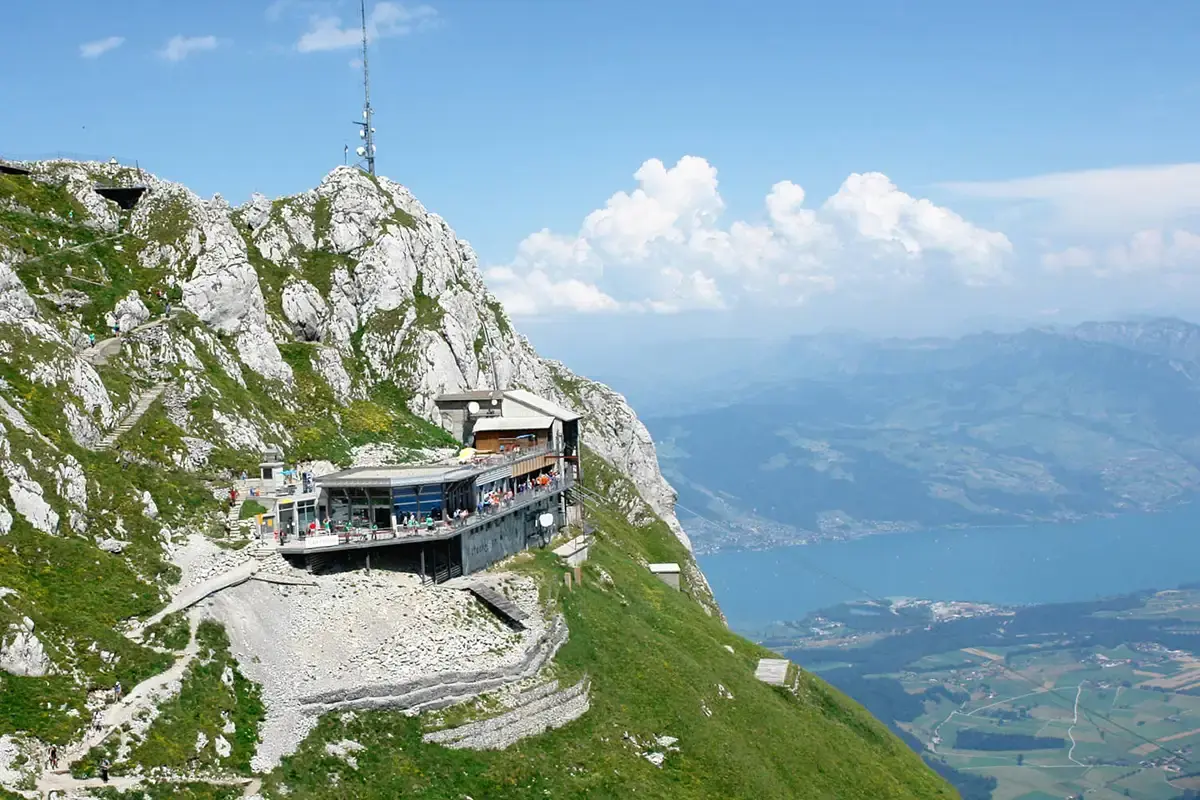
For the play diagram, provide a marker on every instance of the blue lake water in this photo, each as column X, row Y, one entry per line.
column 1034, row 564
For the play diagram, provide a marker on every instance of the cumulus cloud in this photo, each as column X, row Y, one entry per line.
column 386, row 20
column 661, row 247
column 178, row 48
column 100, row 46
column 1146, row 252
column 1097, row 201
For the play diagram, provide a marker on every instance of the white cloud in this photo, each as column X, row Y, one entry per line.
column 1101, row 200
column 387, row 19
column 1147, row 252
column 274, row 12
column 178, row 48
column 100, row 46
column 660, row 248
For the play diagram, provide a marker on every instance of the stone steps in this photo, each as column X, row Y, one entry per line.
column 445, row 689
column 541, row 711
column 143, row 404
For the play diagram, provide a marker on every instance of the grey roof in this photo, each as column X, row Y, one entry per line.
column 395, row 476
column 541, row 405
column 461, row 397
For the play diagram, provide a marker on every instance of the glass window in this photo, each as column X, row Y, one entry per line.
column 430, row 499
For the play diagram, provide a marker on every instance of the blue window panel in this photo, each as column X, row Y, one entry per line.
column 430, row 498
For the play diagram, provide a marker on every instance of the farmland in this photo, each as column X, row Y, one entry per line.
column 1049, row 701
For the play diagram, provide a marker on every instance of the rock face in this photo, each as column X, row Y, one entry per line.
column 357, row 265
column 21, row 652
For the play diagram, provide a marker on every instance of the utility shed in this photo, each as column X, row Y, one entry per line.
column 574, row 552
column 667, row 573
column 773, row 671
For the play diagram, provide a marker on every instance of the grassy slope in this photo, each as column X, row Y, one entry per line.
column 655, row 661
column 74, row 593
column 205, row 703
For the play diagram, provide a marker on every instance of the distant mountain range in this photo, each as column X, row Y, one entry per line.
column 837, row 436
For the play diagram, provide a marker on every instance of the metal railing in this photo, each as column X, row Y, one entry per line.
column 356, row 533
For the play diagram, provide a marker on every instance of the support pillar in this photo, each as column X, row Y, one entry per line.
column 422, row 564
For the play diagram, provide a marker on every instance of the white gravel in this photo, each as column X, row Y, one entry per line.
column 352, row 630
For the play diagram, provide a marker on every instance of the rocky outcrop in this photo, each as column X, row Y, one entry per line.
column 357, row 264
column 22, row 653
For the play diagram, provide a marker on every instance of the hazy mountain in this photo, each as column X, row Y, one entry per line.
column 852, row 436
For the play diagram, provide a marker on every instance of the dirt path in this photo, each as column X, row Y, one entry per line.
column 189, row 597
column 143, row 697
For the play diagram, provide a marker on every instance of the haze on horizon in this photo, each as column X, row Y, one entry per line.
column 678, row 171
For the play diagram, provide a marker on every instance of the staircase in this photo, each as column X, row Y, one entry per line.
column 140, row 408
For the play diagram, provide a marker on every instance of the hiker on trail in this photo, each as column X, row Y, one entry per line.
column 117, row 691
column 104, row 770
column 53, row 757
column 167, row 306
column 91, row 338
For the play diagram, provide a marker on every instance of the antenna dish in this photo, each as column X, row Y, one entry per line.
column 546, row 520
column 361, row 151
column 473, row 407
column 362, row 134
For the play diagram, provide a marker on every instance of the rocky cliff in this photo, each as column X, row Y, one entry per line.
column 382, row 288
column 148, row 356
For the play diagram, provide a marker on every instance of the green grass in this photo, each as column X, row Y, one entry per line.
column 41, row 197
column 172, row 632
column 204, row 704
column 324, row 429
column 655, row 660
column 171, row 791
column 251, row 509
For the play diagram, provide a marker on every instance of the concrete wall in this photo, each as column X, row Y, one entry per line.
column 506, row 535
column 669, row 578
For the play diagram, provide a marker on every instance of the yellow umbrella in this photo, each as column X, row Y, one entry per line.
column 466, row 454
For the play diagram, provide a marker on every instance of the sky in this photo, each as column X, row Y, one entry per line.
column 683, row 168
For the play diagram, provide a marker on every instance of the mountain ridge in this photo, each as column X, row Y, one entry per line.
column 327, row 322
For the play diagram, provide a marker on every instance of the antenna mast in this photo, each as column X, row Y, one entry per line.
column 367, row 130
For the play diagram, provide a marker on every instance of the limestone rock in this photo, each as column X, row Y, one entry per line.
column 28, row 498
column 148, row 504
column 22, row 653
column 305, row 309
column 129, row 312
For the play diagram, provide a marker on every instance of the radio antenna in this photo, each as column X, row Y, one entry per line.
column 366, row 150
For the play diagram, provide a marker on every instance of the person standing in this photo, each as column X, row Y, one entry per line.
column 104, row 770
column 53, row 757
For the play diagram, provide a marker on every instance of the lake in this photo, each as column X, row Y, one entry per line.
column 1034, row 564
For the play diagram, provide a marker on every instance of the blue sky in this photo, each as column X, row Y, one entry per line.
column 511, row 117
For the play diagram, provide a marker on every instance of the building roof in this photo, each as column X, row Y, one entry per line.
column 462, row 397
column 388, row 476
column 540, row 404
column 657, row 568
column 513, row 424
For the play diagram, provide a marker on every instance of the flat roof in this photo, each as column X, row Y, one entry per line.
column 396, row 475
column 513, row 424
column 474, row 394
column 657, row 568
column 541, row 404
